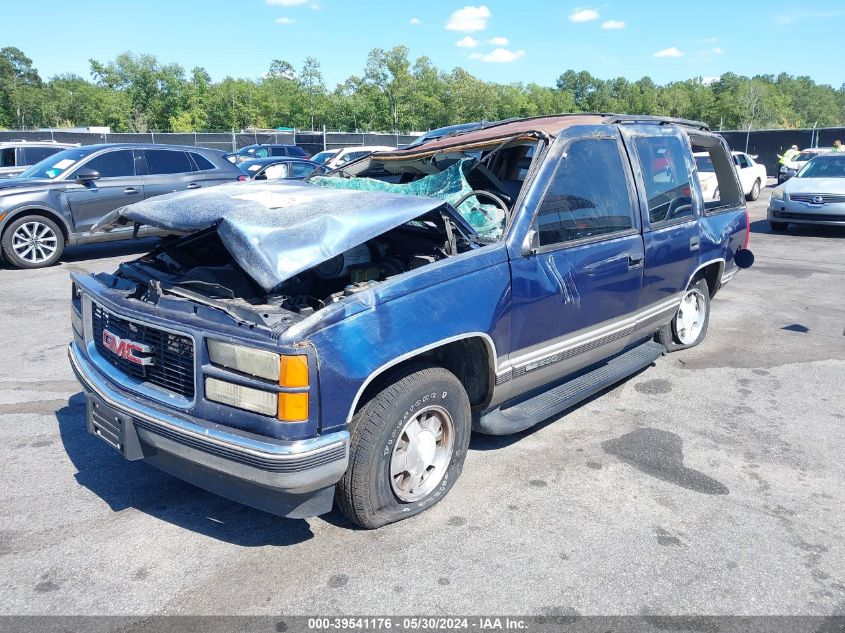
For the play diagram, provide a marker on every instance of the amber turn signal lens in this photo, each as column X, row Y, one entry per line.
column 293, row 371
column 293, row 407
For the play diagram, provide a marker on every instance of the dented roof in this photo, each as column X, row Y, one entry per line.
column 546, row 126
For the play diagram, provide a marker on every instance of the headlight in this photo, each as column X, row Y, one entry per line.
column 290, row 372
column 777, row 193
column 263, row 402
column 247, row 360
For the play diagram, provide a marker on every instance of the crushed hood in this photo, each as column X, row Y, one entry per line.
column 278, row 230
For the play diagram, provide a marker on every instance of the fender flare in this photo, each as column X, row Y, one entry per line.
column 488, row 341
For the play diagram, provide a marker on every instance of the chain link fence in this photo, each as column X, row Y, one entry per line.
column 765, row 144
column 312, row 142
column 768, row 144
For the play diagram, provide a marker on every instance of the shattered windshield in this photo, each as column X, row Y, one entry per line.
column 449, row 185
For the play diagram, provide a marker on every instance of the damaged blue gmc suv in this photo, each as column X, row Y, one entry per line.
column 337, row 341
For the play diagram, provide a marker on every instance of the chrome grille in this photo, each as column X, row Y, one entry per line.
column 825, row 198
column 172, row 354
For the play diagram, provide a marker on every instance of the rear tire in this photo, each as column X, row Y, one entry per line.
column 407, row 448
column 780, row 227
column 32, row 241
column 689, row 326
column 755, row 192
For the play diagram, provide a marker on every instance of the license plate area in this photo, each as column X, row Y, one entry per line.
column 114, row 428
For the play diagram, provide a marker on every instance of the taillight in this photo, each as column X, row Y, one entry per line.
column 242, row 178
column 747, row 229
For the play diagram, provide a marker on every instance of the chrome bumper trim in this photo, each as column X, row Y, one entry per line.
column 298, row 466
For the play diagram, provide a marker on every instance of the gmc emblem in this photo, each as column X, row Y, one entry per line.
column 126, row 349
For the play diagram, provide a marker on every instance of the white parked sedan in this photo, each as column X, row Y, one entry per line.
column 334, row 158
column 816, row 195
column 752, row 175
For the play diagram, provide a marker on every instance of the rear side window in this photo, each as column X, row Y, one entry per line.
column 293, row 150
column 301, row 170
column 588, row 195
column 7, row 157
column 279, row 151
column 32, row 155
column 117, row 164
column 666, row 177
column 202, row 163
column 162, row 161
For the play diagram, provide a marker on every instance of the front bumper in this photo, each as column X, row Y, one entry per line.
column 294, row 479
column 792, row 212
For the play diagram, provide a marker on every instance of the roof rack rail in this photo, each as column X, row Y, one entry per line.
column 662, row 120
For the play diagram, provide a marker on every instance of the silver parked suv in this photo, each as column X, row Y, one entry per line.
column 16, row 156
column 57, row 201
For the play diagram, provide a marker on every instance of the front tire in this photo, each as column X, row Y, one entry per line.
column 755, row 192
column 779, row 227
column 32, row 241
column 408, row 446
column 689, row 327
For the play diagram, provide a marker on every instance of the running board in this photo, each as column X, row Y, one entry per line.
column 518, row 417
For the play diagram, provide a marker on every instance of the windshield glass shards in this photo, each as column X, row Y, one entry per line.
column 449, row 185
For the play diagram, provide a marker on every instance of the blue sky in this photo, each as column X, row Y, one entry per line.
column 505, row 41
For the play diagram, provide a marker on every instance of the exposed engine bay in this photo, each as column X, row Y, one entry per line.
column 198, row 267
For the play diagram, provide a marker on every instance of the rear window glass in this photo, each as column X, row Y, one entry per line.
column 32, row 155
column 666, row 177
column 162, row 161
column 7, row 157
column 202, row 163
column 703, row 163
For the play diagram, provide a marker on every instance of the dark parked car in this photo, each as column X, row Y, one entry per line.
column 57, row 201
column 280, row 168
column 16, row 156
column 339, row 340
column 266, row 151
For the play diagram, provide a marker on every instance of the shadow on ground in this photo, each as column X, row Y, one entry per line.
column 123, row 484
column 86, row 252
column 798, row 230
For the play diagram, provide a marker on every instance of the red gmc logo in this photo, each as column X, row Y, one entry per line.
column 126, row 349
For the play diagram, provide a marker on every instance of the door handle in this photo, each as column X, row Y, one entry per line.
column 694, row 243
column 194, row 185
column 130, row 191
column 636, row 260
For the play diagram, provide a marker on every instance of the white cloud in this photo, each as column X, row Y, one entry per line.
column 669, row 52
column 286, row 3
column 584, row 15
column 467, row 42
column 613, row 24
column 469, row 19
column 501, row 56
column 285, row 21
column 498, row 41
column 709, row 40
column 718, row 50
column 315, row 6
column 709, row 81
column 475, row 55
column 415, row 21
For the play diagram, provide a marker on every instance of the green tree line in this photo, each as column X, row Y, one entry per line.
column 139, row 93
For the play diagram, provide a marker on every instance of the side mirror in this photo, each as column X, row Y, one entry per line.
column 531, row 244
column 87, row 175
column 744, row 258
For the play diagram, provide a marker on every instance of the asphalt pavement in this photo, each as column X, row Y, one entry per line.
column 710, row 483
